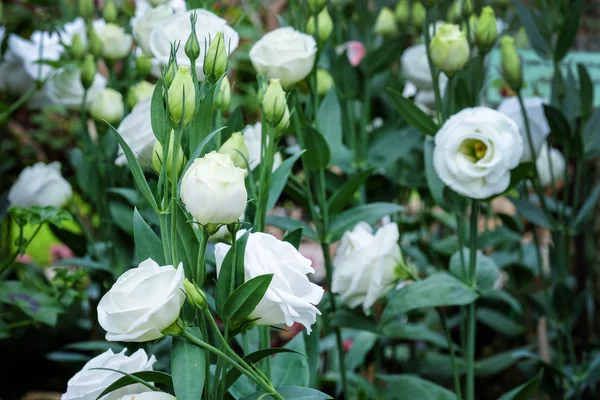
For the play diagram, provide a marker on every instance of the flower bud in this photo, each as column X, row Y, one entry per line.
column 157, row 156
column 324, row 81
column 418, row 15
column 170, row 72
column 315, row 5
column 194, row 295
column 77, row 47
column 182, row 97
column 96, row 45
column 324, row 26
column 402, row 12
column 487, row 31
column 86, row 9
column 511, row 63
column 453, row 15
column 428, row 3
column 467, row 9
column 274, row 102
column 192, row 46
column 175, row 329
column 107, row 106
column 88, row 71
column 138, row 92
column 235, row 147
column 385, row 24
column 449, row 49
column 284, row 122
column 223, row 96
column 143, row 65
column 110, row 12
column 215, row 61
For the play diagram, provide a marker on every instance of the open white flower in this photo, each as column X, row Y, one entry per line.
column 136, row 130
column 365, row 265
column 551, row 169
column 116, row 44
column 89, row 383
column 538, row 125
column 291, row 297
column 40, row 185
column 252, row 139
column 142, row 303
column 65, row 88
column 475, row 150
column 178, row 29
column 141, row 6
column 284, row 54
column 143, row 24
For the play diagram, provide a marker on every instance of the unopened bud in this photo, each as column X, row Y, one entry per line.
column 143, row 65
column 466, row 9
column 88, row 71
column 235, row 147
column 454, row 13
column 194, row 295
column 449, row 49
column 86, row 9
column 182, row 97
column 138, row 92
column 315, row 5
column 222, row 97
column 169, row 73
column 487, row 31
column 175, row 329
column 511, row 63
column 403, row 12
column 274, row 103
column 157, row 156
column 77, row 47
column 418, row 15
column 110, row 12
column 107, row 106
column 96, row 45
column 324, row 81
column 385, row 24
column 284, row 122
column 323, row 28
column 215, row 61
column 192, row 47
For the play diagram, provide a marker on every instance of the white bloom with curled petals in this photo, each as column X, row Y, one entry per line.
column 550, row 166
column 116, row 43
column 253, row 141
column 136, row 130
column 65, row 88
column 40, row 185
column 144, row 23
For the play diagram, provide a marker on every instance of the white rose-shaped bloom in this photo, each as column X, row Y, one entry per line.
column 178, row 28
column 141, row 6
column 40, row 185
column 136, row 130
column 14, row 79
column 143, row 24
column 475, row 150
column 149, row 396
column 365, row 265
column 213, row 189
column 65, row 88
column 143, row 302
column 88, row 383
column 291, row 297
column 116, row 44
column 538, row 125
column 108, row 105
column 550, row 167
column 284, row 54
column 252, row 139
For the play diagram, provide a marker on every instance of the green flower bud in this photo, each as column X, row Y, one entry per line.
column 96, row 45
column 324, row 26
column 467, row 9
column 175, row 329
column 107, row 106
column 511, row 63
column 192, row 47
column 157, row 156
column 235, row 147
column 110, row 12
column 138, row 92
column 324, row 81
column 385, row 24
column 486, row 32
column 215, row 61
column 284, row 122
column 428, row 3
column 223, row 96
column 194, row 295
column 86, row 9
column 182, row 97
column 77, row 47
column 170, row 72
column 143, row 65
column 274, row 102
column 403, row 12
column 315, row 5
column 88, row 71
column 418, row 15
column 449, row 49
column 453, row 15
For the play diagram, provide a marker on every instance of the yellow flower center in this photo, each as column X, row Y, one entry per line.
column 473, row 149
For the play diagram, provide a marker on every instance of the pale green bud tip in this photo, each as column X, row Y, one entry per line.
column 96, row 45
column 274, row 102
column 487, row 31
column 215, row 61
column 324, row 81
column 454, row 13
column 182, row 97
column 284, row 122
column 140, row 91
column 511, row 63
column 77, row 47
column 143, row 65
column 88, row 71
column 110, row 12
column 235, row 148
column 194, row 295
column 449, row 49
column 385, row 24
column 466, row 9
column 403, row 12
column 223, row 96
column 322, row 30
column 418, row 15
column 316, row 5
column 175, row 329
column 192, row 47
column 158, row 155
column 86, row 9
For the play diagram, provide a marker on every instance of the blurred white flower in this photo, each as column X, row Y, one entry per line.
column 108, row 105
column 550, row 167
column 252, row 138
column 415, row 69
column 116, row 44
column 65, row 88
column 136, row 130
column 143, row 24
column 141, row 6
column 40, row 185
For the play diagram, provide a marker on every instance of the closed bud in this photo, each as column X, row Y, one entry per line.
column 158, row 155
column 170, row 73
column 428, row 3
column 143, row 65
column 322, row 30
column 284, row 122
column 110, row 12
column 138, row 92
column 86, row 9
column 96, row 45
column 182, row 97
column 487, row 31
column 511, row 63
column 385, row 24
column 77, row 47
column 403, row 12
column 194, row 295
column 453, row 16
column 315, row 5
column 215, row 61
column 107, row 106
column 235, row 147
column 88, row 71
column 324, row 81
column 274, row 102
column 175, row 329
column 449, row 49
column 418, row 15
column 192, row 47
column 466, row 9
column 223, row 96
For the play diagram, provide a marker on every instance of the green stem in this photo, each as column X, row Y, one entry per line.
column 455, row 372
column 200, row 261
column 174, row 193
column 164, row 234
column 266, row 165
column 4, row 267
column 207, row 377
column 473, row 231
column 471, row 308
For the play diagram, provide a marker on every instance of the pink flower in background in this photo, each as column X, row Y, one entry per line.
column 24, row 259
column 59, row 252
column 355, row 51
column 347, row 344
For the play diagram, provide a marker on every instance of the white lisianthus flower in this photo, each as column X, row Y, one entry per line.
column 143, row 24
column 538, row 125
column 252, row 139
column 142, row 303
column 284, row 54
column 550, row 167
column 291, row 297
column 108, row 105
column 149, row 396
column 178, row 28
column 136, row 130
column 213, row 189
column 365, row 265
column 475, row 150
column 415, row 69
column 141, row 6
column 449, row 49
column 65, row 88
column 89, row 383
column 14, row 79
column 40, row 185
column 116, row 44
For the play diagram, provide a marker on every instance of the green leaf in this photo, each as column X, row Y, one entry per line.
column 136, row 170
column 294, row 237
column 235, row 123
column 411, row 387
column 486, row 271
column 202, row 122
column 559, row 126
column 187, row 242
column 499, row 322
column 587, row 208
column 435, row 291
column 496, row 363
column 568, row 33
column 317, row 150
column 288, row 224
column 417, row 332
column 369, row 213
column 586, row 91
column 279, row 179
column 122, row 215
column 435, row 184
column 31, row 301
column 533, row 213
column 345, row 194
column 158, row 114
column 291, row 393
column 539, row 43
column 348, row 319
column 227, row 275
column 504, row 297
column 511, row 222
column 329, row 120
column 591, row 135
column 382, row 57
column 142, row 378
column 413, row 114
column 188, row 366
column 362, row 344
column 147, row 243
column 289, row 369
column 245, row 298
column 526, row 391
